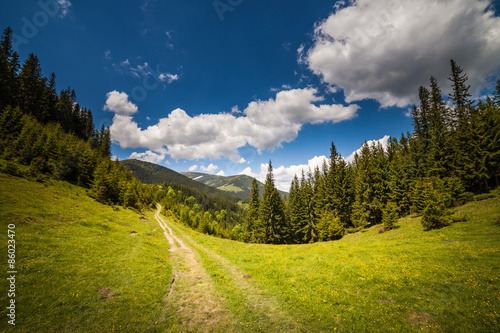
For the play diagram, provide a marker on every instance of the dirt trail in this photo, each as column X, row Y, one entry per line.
column 192, row 294
column 256, row 299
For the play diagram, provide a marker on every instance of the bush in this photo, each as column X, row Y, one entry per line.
column 435, row 215
column 11, row 168
column 330, row 227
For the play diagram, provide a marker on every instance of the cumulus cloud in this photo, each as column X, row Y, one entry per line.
column 193, row 168
column 148, row 156
column 169, row 78
column 263, row 125
column 283, row 175
column 221, row 173
column 385, row 49
column 384, row 142
column 210, row 169
column 119, row 104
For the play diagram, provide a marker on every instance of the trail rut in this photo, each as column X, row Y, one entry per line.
column 191, row 295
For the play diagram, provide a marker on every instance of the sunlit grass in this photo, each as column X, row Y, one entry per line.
column 68, row 248
column 403, row 280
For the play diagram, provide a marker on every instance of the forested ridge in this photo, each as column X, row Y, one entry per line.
column 451, row 155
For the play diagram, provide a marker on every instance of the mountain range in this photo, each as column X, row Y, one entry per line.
column 230, row 187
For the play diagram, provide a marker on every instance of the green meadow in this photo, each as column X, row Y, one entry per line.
column 81, row 266
column 88, row 267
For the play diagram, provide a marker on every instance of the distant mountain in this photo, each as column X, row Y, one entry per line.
column 239, row 185
column 150, row 173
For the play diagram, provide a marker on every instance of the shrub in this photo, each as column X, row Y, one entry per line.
column 435, row 215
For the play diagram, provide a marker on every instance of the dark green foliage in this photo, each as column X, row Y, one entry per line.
column 272, row 214
column 253, row 226
column 390, row 216
column 330, row 227
column 434, row 215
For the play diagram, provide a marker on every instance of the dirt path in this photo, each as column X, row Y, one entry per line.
column 192, row 294
column 255, row 302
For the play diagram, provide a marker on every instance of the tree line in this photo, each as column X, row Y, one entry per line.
column 452, row 153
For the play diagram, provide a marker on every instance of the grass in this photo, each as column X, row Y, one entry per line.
column 404, row 280
column 68, row 247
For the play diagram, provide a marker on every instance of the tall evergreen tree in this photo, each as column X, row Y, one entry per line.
column 32, row 87
column 252, row 228
column 272, row 214
column 438, row 120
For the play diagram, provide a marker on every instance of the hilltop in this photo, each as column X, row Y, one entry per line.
column 150, row 173
column 238, row 185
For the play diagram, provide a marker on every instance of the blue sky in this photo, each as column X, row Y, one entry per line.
column 225, row 86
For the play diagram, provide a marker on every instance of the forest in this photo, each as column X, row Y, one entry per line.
column 451, row 154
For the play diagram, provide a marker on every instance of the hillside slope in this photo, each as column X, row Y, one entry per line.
column 403, row 280
column 238, row 185
column 150, row 173
column 81, row 265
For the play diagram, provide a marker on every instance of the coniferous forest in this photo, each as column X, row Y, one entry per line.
column 452, row 153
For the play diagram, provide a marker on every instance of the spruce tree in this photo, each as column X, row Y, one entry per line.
column 437, row 132
column 272, row 214
column 32, row 87
column 252, row 227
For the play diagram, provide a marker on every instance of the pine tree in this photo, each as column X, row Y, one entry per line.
column 9, row 67
column 460, row 95
column 252, row 232
column 390, row 215
column 437, row 132
column 460, row 142
column 32, row 87
column 272, row 214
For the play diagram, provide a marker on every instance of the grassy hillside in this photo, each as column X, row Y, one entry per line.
column 404, row 280
column 83, row 266
column 238, row 185
column 150, row 173
column 69, row 249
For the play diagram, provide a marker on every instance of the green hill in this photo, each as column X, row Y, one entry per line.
column 82, row 266
column 150, row 173
column 238, row 185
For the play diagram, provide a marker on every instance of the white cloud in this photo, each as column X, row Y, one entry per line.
column 168, row 77
column 210, row 169
column 63, row 7
column 221, row 173
column 125, row 67
column 263, row 125
column 385, row 49
column 107, row 55
column 148, row 156
column 283, row 175
column 193, row 168
column 384, row 142
column 119, row 104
